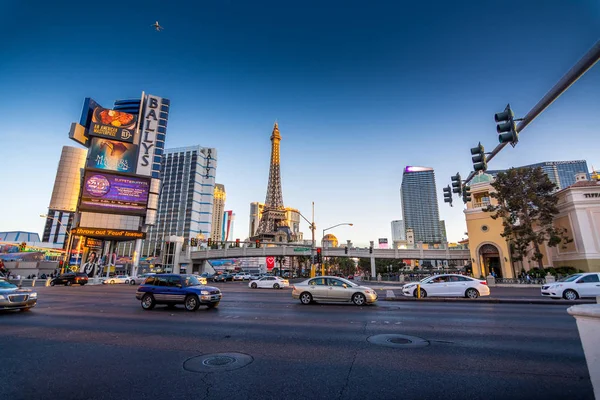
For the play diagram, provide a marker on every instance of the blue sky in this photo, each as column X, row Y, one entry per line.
column 360, row 90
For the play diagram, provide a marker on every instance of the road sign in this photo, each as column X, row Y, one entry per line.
column 298, row 249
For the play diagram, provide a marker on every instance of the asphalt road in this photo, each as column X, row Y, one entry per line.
column 96, row 342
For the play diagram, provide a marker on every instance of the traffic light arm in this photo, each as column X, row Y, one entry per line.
column 576, row 72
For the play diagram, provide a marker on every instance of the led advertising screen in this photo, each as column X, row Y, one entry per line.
column 110, row 193
column 112, row 124
column 112, row 155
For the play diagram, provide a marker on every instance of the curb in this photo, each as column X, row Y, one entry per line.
column 493, row 301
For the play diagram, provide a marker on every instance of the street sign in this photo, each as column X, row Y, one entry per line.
column 303, row 249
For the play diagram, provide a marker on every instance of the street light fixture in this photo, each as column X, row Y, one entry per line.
column 67, row 256
column 323, row 241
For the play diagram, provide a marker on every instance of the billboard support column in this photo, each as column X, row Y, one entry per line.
column 136, row 257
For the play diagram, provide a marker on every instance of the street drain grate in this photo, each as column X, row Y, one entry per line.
column 398, row 341
column 217, row 362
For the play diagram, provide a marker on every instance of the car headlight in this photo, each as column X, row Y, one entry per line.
column 369, row 292
column 204, row 292
column 33, row 295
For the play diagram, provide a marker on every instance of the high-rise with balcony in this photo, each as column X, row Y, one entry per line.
column 420, row 210
column 185, row 205
column 217, row 215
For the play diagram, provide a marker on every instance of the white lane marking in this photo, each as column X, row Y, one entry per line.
column 390, row 294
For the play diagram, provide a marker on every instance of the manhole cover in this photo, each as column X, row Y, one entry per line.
column 217, row 362
column 397, row 341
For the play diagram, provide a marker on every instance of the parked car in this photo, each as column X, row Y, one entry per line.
column 274, row 282
column 574, row 286
column 207, row 275
column 70, row 278
column 238, row 276
column 136, row 280
column 13, row 298
column 254, row 277
column 223, row 278
column 201, row 279
column 116, row 279
column 334, row 289
column 448, row 285
column 173, row 289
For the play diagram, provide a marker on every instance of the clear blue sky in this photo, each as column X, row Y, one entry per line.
column 360, row 90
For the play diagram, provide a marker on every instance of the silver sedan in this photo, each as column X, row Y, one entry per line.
column 13, row 298
column 334, row 289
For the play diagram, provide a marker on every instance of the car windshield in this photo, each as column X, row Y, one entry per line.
column 6, row 285
column 191, row 280
column 570, row 278
column 347, row 282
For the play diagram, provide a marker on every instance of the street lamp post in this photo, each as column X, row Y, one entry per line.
column 323, row 241
column 312, row 227
column 67, row 256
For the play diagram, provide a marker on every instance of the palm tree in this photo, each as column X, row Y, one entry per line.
column 280, row 260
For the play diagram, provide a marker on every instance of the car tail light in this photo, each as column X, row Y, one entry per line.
column 483, row 282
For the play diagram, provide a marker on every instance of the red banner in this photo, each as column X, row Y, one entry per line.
column 270, row 262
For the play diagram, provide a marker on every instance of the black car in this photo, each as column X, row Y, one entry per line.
column 70, row 278
column 223, row 278
column 172, row 289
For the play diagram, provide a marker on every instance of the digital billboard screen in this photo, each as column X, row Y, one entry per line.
column 113, row 124
column 112, row 155
column 111, row 193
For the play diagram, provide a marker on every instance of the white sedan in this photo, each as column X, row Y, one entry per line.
column 448, row 285
column 117, row 279
column 574, row 286
column 137, row 280
column 274, row 282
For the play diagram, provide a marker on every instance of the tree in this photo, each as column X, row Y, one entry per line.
column 280, row 260
column 527, row 206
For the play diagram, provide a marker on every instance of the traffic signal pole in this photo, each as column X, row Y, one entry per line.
column 576, row 72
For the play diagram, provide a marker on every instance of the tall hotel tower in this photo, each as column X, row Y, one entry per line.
column 217, row 213
column 185, row 206
column 419, row 204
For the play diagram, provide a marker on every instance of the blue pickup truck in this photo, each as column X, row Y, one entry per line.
column 173, row 289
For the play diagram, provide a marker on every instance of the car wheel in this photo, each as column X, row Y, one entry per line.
column 306, row 298
column 132, row 282
column 213, row 305
column 52, row 283
column 472, row 293
column 570, row 295
column 276, row 286
column 359, row 299
column 423, row 293
column 112, row 282
column 68, row 283
column 148, row 302
column 192, row 302
column 253, row 285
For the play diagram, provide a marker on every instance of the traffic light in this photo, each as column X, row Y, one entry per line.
column 456, row 183
column 448, row 195
column 479, row 161
column 319, row 256
column 370, row 249
column 258, row 244
column 193, row 242
column 346, row 250
column 466, row 194
column 507, row 128
column 237, row 242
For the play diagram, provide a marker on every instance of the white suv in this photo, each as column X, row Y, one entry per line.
column 574, row 286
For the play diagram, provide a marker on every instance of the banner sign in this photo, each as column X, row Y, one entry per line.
column 109, row 193
column 112, row 155
column 112, row 124
column 108, row 233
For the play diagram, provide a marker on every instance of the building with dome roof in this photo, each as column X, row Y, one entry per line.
column 329, row 240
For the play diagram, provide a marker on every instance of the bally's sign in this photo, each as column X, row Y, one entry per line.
column 591, row 195
column 155, row 122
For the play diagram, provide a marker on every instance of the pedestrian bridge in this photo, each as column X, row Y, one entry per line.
column 291, row 251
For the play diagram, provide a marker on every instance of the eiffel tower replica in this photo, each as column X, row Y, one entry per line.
column 273, row 223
